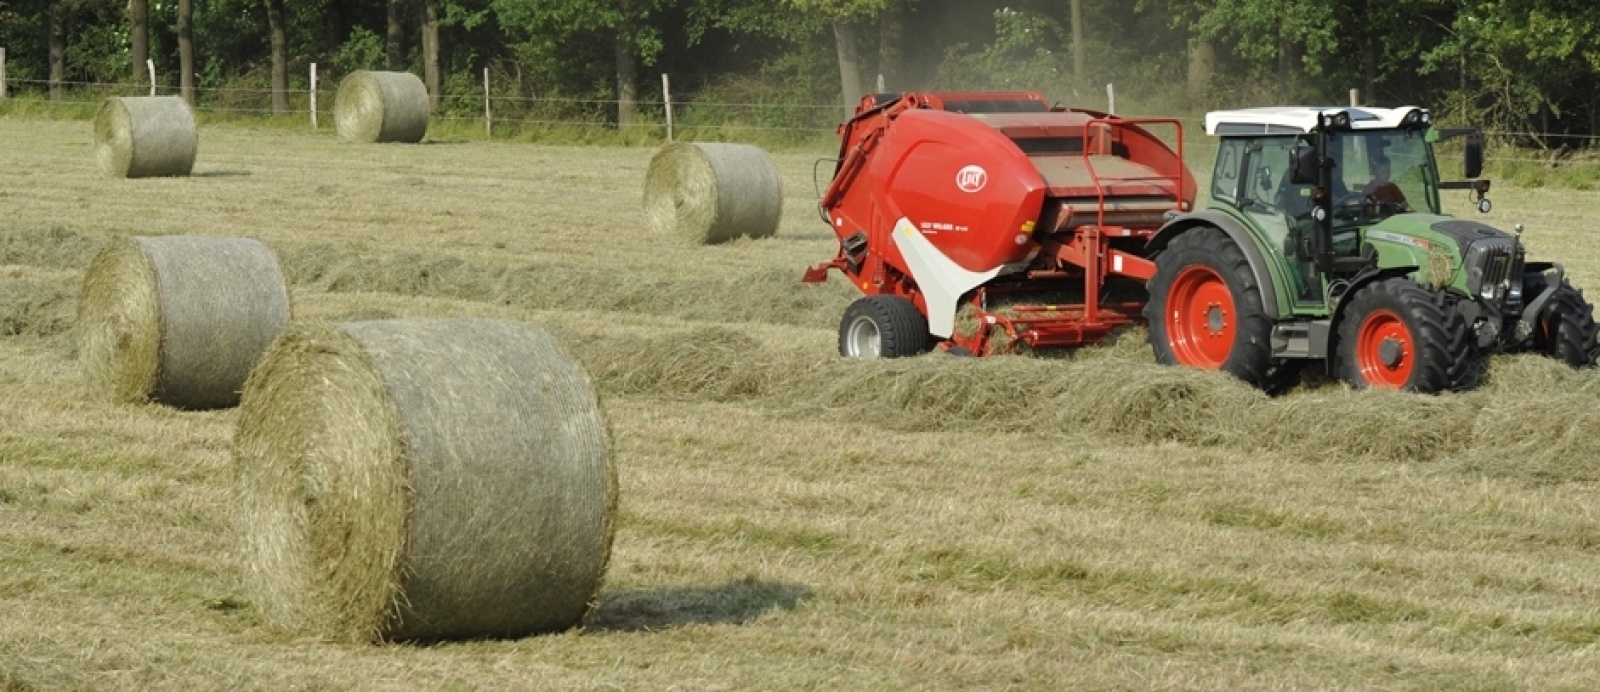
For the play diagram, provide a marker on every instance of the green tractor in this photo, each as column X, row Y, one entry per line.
column 1323, row 242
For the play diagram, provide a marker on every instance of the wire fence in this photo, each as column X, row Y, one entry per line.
column 502, row 107
column 490, row 106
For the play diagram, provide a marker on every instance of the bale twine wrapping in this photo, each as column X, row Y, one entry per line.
column 422, row 479
column 145, row 136
column 712, row 193
column 180, row 320
column 381, row 107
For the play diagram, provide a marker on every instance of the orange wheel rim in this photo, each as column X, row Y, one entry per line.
column 1385, row 351
column 1200, row 318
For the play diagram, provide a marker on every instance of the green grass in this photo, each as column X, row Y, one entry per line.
column 787, row 520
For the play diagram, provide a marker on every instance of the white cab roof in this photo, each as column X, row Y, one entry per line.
column 1298, row 119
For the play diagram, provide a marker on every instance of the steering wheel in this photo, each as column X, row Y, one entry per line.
column 1352, row 202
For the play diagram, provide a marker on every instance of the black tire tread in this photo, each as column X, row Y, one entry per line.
column 1568, row 332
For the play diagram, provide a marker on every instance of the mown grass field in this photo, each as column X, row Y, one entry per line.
column 788, row 519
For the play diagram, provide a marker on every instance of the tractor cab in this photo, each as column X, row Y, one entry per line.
column 1313, row 181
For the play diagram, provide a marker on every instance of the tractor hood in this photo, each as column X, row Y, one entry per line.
column 1479, row 256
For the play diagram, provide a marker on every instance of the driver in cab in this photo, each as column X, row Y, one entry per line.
column 1382, row 192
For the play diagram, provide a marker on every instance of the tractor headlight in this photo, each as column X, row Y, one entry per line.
column 1489, row 291
column 1514, row 291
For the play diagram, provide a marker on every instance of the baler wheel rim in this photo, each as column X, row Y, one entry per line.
column 1201, row 318
column 1377, row 328
column 864, row 338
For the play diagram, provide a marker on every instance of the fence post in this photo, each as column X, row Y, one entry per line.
column 488, row 116
column 1355, row 97
column 1111, row 99
column 151, row 66
column 666, row 98
column 2, row 73
column 313, row 96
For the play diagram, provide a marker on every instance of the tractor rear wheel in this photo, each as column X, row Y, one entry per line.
column 1205, row 309
column 1566, row 328
column 882, row 327
column 1396, row 334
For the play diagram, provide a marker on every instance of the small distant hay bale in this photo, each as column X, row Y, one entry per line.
column 375, row 107
column 712, row 193
column 145, row 136
column 422, row 480
column 179, row 320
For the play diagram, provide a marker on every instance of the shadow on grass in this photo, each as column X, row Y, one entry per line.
column 734, row 603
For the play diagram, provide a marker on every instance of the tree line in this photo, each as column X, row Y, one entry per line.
column 1523, row 66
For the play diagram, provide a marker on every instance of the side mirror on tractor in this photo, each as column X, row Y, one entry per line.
column 1303, row 165
column 1473, row 162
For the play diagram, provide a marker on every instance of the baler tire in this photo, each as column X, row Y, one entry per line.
column 1435, row 351
column 1567, row 330
column 897, row 328
column 1205, row 260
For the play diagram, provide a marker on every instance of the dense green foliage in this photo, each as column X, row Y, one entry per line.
column 1516, row 66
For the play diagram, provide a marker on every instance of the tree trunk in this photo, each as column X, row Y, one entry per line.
column 891, row 45
column 280, row 57
column 1369, row 57
column 430, row 50
column 1286, row 60
column 395, row 44
column 57, row 26
column 186, row 50
column 139, row 37
column 1202, row 65
column 844, row 37
column 627, row 80
column 1079, row 51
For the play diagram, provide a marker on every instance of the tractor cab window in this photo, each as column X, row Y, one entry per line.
column 1380, row 174
column 1267, row 195
column 1225, row 177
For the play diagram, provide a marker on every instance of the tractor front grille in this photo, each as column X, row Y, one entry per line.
column 1492, row 264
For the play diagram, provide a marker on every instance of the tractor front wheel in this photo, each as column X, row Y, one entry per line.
column 1395, row 334
column 882, row 327
column 1566, row 328
column 1205, row 309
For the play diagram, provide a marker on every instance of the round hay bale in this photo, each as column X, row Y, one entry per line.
column 421, row 480
column 145, row 136
column 180, row 320
column 381, row 107
column 712, row 193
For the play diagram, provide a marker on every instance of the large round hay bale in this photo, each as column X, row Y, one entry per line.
column 381, row 107
column 178, row 319
column 422, row 479
column 712, row 193
column 145, row 136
